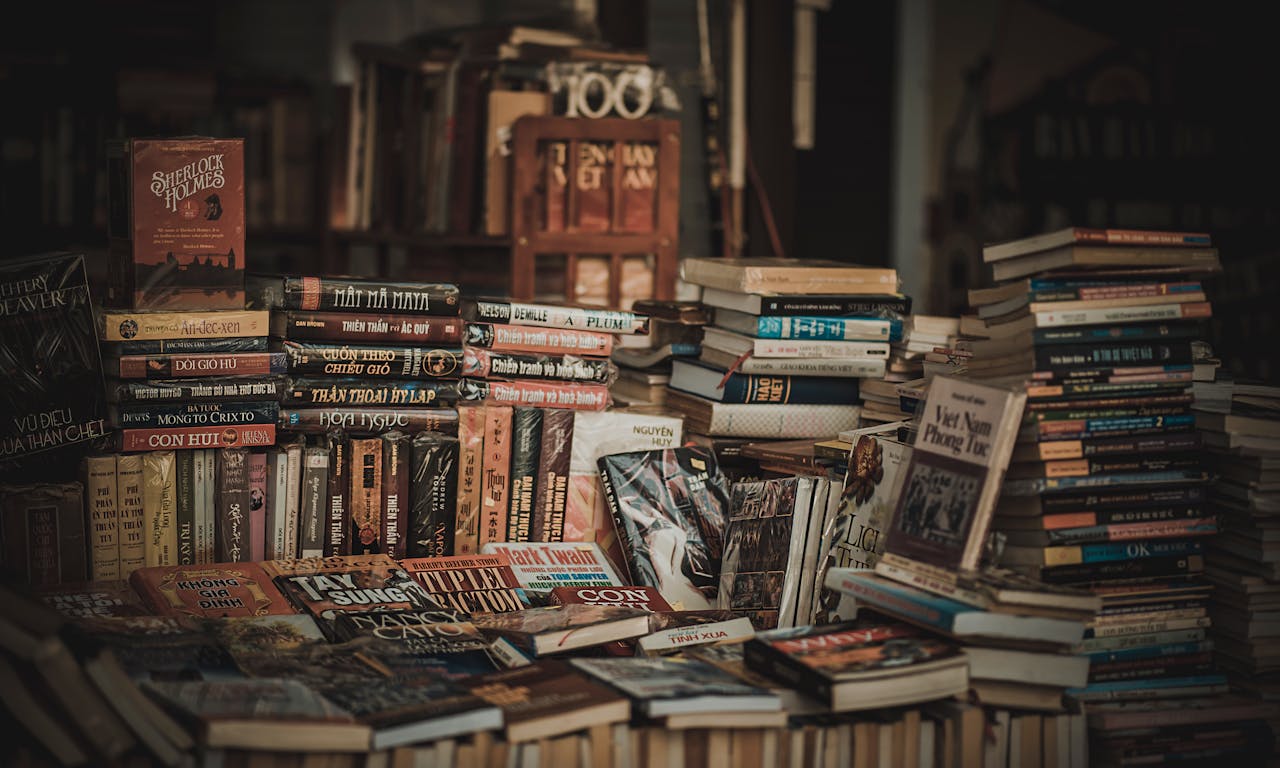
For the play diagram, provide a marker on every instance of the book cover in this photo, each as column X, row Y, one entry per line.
column 43, row 527
column 670, row 507
column 232, row 541
column 52, row 377
column 818, row 328
column 1085, row 235
column 470, row 468
column 98, row 474
column 554, row 316
column 338, row 485
column 526, row 429
column 554, row 341
column 367, row 421
column 365, row 501
column 670, row 685
column 495, row 480
column 159, row 503
column 367, row 327
column 551, row 487
column 433, row 471
column 485, row 363
column 176, row 224
column 954, row 474
column 645, row 598
column 92, row 599
column 336, row 293
column 541, row 567
column 217, row 590
column 548, row 698
column 417, row 709
column 396, row 512
column 763, row 548
column 307, row 391
column 475, row 584
column 328, row 586
column 331, row 358
column 539, row 394
column 739, row 344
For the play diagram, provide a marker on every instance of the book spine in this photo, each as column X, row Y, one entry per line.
column 158, row 502
column 366, row 497
column 790, row 390
column 232, row 539
column 1087, row 467
column 278, row 476
column 432, row 521
column 470, row 462
column 526, row 429
column 246, row 435
column 785, row 366
column 1108, row 552
column 1122, row 569
column 195, row 365
column 483, row 363
column 833, row 306
column 186, row 506
column 315, row 498
column 1076, row 449
column 495, row 473
column 196, row 415
column 551, row 496
column 1125, row 426
column 184, row 346
column 335, row 540
column 1145, row 332
column 162, row 326
column 581, row 397
column 129, row 487
column 1050, row 485
column 1148, row 237
column 1136, row 353
column 197, row 390
column 1157, row 653
column 365, row 327
column 396, row 449
column 778, row 422
column 258, row 499
column 1146, row 627
column 323, row 293
column 788, row 348
column 554, row 341
column 895, row 602
column 627, row 532
column 1142, row 314
column 305, row 391
column 1114, row 500
column 368, row 361
column 292, row 497
column 548, row 316
column 361, row 421
column 1127, row 532
column 758, row 657
column 1095, row 645
column 828, row 328
column 103, row 506
column 1041, row 290
column 923, row 580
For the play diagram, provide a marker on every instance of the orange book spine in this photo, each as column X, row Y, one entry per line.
column 471, row 423
column 495, row 474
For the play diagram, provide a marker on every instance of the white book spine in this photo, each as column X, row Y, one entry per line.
column 292, row 498
column 1150, row 313
column 805, row 490
column 278, row 472
column 845, row 368
column 199, row 481
column 819, row 348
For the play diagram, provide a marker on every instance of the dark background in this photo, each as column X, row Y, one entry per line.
column 1038, row 114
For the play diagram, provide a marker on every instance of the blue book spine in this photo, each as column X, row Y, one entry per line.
column 1149, row 684
column 932, row 610
column 829, row 328
column 1102, row 553
column 790, row 390
column 1150, row 652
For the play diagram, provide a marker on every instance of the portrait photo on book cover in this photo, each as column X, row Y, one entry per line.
column 938, row 501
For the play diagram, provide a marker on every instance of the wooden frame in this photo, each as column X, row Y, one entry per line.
column 529, row 238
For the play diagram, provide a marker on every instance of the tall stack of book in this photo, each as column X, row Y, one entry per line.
column 644, row 360
column 1106, row 485
column 1240, row 425
column 789, row 341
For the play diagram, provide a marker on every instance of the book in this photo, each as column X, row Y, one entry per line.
column 432, row 484
column 175, row 366
column 98, row 475
column 787, row 276
column 1032, row 668
column 674, row 631
column 1202, row 260
column 469, row 470
column 188, row 438
column 153, row 416
column 477, row 584
column 233, row 535
column 526, row 428
column 159, row 503
column 495, row 472
column 217, row 590
column 770, row 421
column 367, row 421
column 673, row 686
column 954, row 474
column 325, row 587
column 313, row 501
column 670, row 507
column 541, row 567
column 485, row 363
column 1084, row 235
column 840, row 367
column 52, row 376
column 556, row 629
column 257, row 508
column 722, row 386
column 306, row 391
column 334, row 358
column 44, row 533
column 365, row 501
column 533, row 393
column 490, row 310
column 513, row 338
column 369, row 327
column 764, row 549
column 738, row 345
column 393, row 524
column 348, row 294
column 170, row 346
column 89, row 599
column 800, row 327
column 873, row 476
column 549, row 698
column 211, row 389
column 857, row 667
column 121, row 325
column 132, row 515
column 814, row 305
column 444, row 649
column 551, row 488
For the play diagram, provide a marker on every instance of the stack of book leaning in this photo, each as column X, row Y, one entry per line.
column 1106, row 485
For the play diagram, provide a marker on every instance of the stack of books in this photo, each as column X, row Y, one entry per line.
column 1101, row 329
column 644, row 361
column 1241, row 431
column 364, row 356
column 789, row 341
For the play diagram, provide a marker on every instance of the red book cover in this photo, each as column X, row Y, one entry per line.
column 471, row 583
column 235, row 435
column 217, row 590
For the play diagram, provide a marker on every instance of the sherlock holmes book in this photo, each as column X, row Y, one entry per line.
column 51, row 392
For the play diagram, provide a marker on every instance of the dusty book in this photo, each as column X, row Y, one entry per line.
column 43, row 528
column 342, row 294
column 52, row 376
column 541, row 567
column 304, row 391
column 549, row 698
column 954, row 475
column 217, row 590
column 472, row 583
column 670, row 507
column 327, row 586
column 551, row 487
column 176, row 223
column 365, row 327
column 432, row 501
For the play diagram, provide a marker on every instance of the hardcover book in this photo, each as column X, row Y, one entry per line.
column 472, row 583
column 218, row 590
column 560, row 628
column 52, row 376
column 954, row 475
column 176, row 220
column 328, row 586
column 670, row 507
column 541, row 567
column 549, row 698
column 672, row 685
